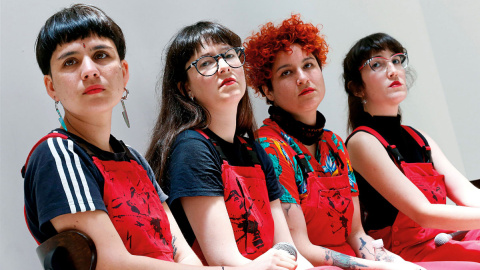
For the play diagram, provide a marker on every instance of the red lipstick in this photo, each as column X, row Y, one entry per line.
column 228, row 81
column 307, row 91
column 395, row 84
column 94, row 89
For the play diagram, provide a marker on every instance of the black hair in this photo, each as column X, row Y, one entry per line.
column 363, row 50
column 72, row 23
column 177, row 111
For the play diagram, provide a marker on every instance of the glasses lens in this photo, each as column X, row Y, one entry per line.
column 207, row 65
column 399, row 60
column 378, row 63
column 235, row 57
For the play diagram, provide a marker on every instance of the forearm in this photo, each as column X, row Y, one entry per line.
column 361, row 243
column 448, row 217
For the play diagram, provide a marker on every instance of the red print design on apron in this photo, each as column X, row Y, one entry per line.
column 135, row 209
column 406, row 233
column 328, row 206
column 248, row 205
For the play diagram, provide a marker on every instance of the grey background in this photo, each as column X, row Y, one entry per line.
column 441, row 36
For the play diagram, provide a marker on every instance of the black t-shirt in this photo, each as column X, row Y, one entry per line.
column 195, row 169
column 380, row 213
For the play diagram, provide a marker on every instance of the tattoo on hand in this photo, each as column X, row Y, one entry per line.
column 364, row 248
column 173, row 246
column 341, row 260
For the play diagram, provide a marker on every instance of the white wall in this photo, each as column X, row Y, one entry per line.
column 441, row 36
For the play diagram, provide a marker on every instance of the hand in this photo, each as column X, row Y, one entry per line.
column 273, row 260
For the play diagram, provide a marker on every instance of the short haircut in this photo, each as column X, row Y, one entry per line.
column 262, row 47
column 72, row 23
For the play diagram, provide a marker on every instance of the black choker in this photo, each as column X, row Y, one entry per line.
column 306, row 134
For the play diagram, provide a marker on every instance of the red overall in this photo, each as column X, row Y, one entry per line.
column 327, row 206
column 407, row 238
column 248, row 205
column 133, row 206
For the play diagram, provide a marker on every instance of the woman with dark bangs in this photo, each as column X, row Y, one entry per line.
column 402, row 173
column 320, row 202
column 222, row 186
column 81, row 177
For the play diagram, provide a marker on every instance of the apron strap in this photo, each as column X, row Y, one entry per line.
column 422, row 142
column 46, row 137
column 391, row 149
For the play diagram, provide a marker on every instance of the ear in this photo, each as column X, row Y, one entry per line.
column 357, row 91
column 126, row 73
column 268, row 94
column 185, row 90
column 48, row 81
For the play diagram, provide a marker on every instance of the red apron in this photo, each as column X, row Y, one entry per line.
column 133, row 206
column 248, row 205
column 406, row 237
column 327, row 206
column 135, row 209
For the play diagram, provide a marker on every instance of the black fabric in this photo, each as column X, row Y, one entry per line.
column 195, row 169
column 56, row 166
column 380, row 213
column 306, row 134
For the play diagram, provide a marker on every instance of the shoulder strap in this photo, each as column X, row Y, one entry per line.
column 391, row 149
column 50, row 135
column 421, row 141
column 217, row 147
column 253, row 155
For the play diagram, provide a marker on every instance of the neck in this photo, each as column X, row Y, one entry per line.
column 224, row 123
column 308, row 118
column 95, row 130
column 381, row 111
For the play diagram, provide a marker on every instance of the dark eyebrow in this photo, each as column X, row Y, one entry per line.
column 96, row 48
column 224, row 49
column 101, row 47
column 287, row 65
column 67, row 54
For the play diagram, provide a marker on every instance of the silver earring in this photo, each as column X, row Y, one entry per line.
column 364, row 101
column 190, row 95
column 124, row 113
column 60, row 119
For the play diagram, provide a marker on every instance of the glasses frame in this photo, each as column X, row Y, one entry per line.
column 388, row 59
column 223, row 55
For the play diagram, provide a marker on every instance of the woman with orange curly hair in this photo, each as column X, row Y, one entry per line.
column 320, row 202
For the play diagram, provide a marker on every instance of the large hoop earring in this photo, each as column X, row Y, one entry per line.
column 60, row 119
column 124, row 113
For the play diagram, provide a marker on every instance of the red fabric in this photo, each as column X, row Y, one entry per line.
column 248, row 207
column 135, row 209
column 327, row 206
column 413, row 242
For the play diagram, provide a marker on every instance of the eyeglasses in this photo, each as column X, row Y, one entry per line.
column 208, row 65
column 379, row 64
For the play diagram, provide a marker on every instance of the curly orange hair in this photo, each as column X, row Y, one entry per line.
column 262, row 47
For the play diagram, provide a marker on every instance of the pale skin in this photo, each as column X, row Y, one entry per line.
column 293, row 72
column 370, row 159
column 204, row 213
column 75, row 67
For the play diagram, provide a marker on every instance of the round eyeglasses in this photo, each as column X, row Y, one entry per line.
column 208, row 65
column 379, row 64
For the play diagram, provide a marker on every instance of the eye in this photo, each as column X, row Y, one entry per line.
column 375, row 64
column 285, row 73
column 101, row 55
column 69, row 62
column 308, row 65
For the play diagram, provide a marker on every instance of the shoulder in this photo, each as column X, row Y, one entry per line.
column 191, row 139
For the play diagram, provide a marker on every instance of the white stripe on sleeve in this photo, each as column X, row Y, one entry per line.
column 71, row 172
column 86, row 189
column 61, row 173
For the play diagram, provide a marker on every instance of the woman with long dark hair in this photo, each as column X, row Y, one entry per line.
column 222, row 186
column 401, row 172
